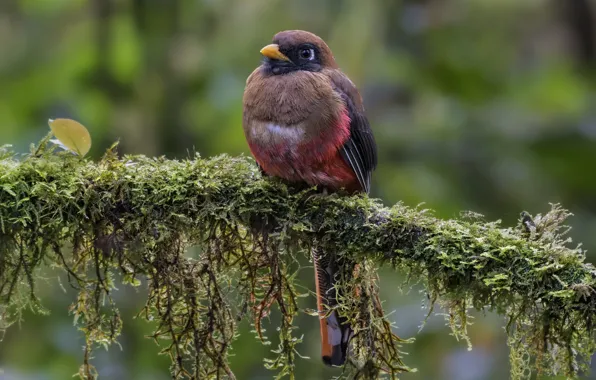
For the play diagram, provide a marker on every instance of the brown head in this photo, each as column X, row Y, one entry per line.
column 294, row 50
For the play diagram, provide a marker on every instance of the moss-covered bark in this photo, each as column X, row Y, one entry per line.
column 132, row 219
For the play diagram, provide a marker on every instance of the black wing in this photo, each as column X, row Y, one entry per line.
column 360, row 151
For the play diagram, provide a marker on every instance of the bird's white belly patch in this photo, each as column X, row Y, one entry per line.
column 293, row 134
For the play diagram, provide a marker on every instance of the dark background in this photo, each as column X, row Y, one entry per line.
column 483, row 105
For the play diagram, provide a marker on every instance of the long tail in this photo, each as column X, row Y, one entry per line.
column 335, row 330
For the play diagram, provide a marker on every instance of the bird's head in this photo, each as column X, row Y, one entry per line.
column 295, row 50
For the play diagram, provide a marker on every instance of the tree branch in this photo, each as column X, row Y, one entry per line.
column 133, row 218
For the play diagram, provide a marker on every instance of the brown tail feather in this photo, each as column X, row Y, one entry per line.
column 335, row 330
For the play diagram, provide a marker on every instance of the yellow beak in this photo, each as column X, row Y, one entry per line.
column 272, row 51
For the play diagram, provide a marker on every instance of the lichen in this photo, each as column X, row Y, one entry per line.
column 132, row 220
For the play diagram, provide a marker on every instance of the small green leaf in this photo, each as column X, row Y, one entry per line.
column 72, row 135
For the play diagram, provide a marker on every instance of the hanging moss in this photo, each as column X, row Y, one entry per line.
column 132, row 218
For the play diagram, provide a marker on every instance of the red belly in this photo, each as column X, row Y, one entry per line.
column 332, row 173
column 314, row 160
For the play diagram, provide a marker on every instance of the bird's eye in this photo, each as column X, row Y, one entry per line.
column 307, row 54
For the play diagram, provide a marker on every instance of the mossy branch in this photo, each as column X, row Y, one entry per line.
column 131, row 219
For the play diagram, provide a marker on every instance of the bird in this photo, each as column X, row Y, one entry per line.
column 304, row 122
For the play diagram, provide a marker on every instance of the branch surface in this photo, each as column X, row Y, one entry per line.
column 135, row 219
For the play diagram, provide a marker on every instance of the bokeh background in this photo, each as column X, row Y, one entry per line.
column 483, row 105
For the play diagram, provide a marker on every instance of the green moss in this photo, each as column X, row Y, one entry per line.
column 132, row 218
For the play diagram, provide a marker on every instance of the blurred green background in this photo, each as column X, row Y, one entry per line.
column 483, row 105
